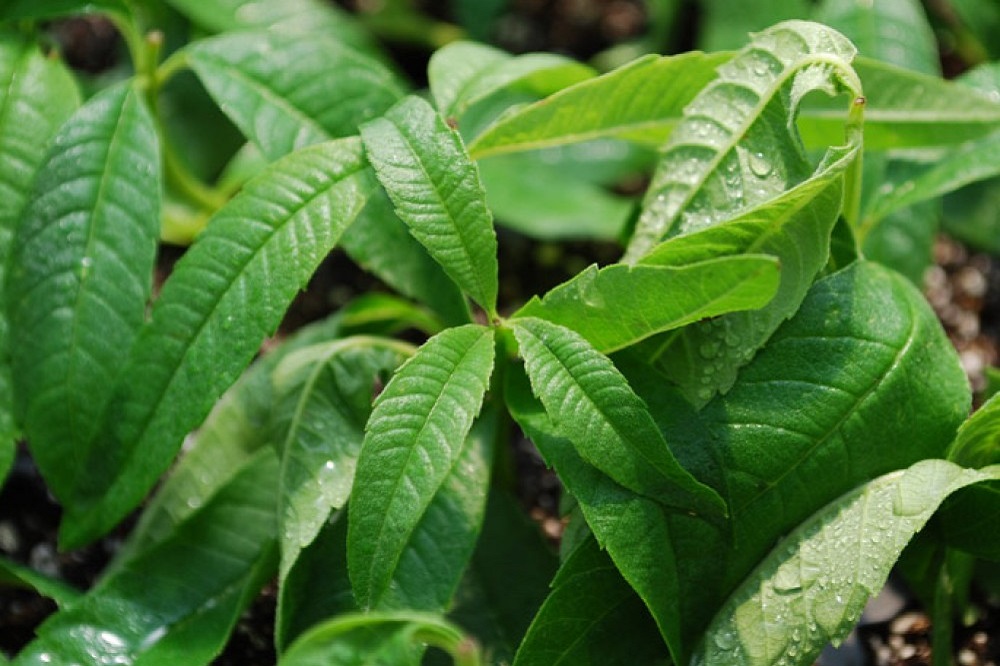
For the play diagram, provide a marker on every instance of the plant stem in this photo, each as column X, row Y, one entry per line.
column 853, row 176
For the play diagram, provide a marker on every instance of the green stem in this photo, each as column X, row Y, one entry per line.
column 853, row 177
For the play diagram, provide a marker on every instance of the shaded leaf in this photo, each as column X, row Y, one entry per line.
column 82, row 267
column 414, row 438
column 813, row 586
column 13, row 574
column 736, row 146
column 592, row 405
column 14, row 10
column 426, row 171
column 286, row 91
column 223, row 298
column 894, row 32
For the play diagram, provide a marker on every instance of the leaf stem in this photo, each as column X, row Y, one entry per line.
column 853, row 176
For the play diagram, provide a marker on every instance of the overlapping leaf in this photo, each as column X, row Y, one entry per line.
column 285, row 91
column 813, row 586
column 222, row 299
column 894, row 32
column 640, row 101
column 416, row 434
column 83, row 262
column 736, row 145
column 41, row 94
column 426, row 171
column 725, row 25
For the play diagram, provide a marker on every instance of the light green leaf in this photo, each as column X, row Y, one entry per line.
column 381, row 244
column 464, row 73
column 904, row 109
column 978, row 440
column 618, row 306
column 423, row 166
column 725, row 25
column 704, row 357
column 323, row 399
column 80, row 279
column 591, row 618
column 894, row 32
column 391, row 312
column 415, row 436
column 223, row 298
column 40, row 93
column 286, row 91
column 14, row 10
column 13, row 574
column 641, row 101
column 736, row 146
column 813, row 586
column 223, row 554
column 592, row 405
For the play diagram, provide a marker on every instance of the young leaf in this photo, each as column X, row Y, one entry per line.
column 323, row 395
column 641, row 101
column 286, row 91
column 82, row 266
column 423, row 166
column 223, row 298
column 813, row 586
column 619, row 305
column 464, row 73
column 590, row 402
column 414, row 438
column 41, row 94
column 223, row 554
column 736, row 146
column 591, row 618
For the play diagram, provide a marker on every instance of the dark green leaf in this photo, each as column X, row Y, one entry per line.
column 223, row 298
column 426, row 171
column 592, row 405
column 82, row 266
column 415, row 437
column 286, row 91
column 14, row 10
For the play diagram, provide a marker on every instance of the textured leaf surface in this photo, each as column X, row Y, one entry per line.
column 813, row 586
column 641, row 101
column 414, row 437
column 223, row 298
column 736, row 146
column 177, row 602
column 590, row 402
column 82, row 274
column 592, row 617
column 40, row 93
column 286, row 91
column 324, row 396
column 619, row 305
column 424, row 167
column 464, row 73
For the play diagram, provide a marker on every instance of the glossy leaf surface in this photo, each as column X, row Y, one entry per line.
column 82, row 275
column 286, row 91
column 813, row 586
column 414, row 438
column 223, row 298
column 424, row 167
column 591, row 403
column 736, row 146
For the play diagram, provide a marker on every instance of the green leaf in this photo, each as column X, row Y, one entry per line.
column 392, row 312
column 904, row 109
column 464, row 73
column 894, row 32
column 736, row 146
column 80, row 279
column 423, row 166
column 725, row 25
column 591, row 618
column 593, row 406
column 415, row 436
column 223, row 298
column 41, row 94
column 286, row 91
column 379, row 639
column 15, row 10
column 813, row 586
column 381, row 244
column 13, row 574
column 704, row 357
column 640, row 101
column 223, row 553
column 324, row 395
column 616, row 306
column 978, row 440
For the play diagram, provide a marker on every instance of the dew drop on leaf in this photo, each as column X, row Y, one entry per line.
column 760, row 166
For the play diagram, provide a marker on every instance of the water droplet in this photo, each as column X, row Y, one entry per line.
column 759, row 165
column 153, row 638
column 709, row 350
column 725, row 639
